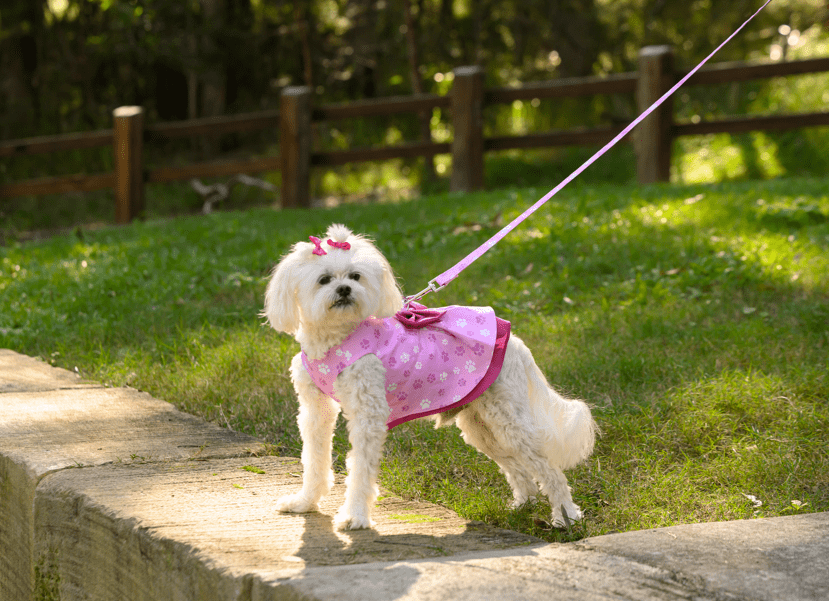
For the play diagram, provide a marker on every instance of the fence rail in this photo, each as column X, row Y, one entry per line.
column 43, row 144
column 466, row 102
column 618, row 83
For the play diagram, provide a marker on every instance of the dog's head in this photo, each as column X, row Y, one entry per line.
column 330, row 283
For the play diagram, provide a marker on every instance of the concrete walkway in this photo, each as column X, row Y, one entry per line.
column 109, row 494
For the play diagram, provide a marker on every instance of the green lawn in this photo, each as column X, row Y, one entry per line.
column 694, row 319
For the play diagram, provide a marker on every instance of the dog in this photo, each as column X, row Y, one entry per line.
column 340, row 300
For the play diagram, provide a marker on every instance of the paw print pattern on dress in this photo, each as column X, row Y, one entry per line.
column 439, row 363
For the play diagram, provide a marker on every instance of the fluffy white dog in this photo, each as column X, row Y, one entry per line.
column 321, row 293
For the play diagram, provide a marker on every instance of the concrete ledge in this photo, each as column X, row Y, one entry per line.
column 546, row 571
column 207, row 530
column 776, row 559
column 110, row 494
column 773, row 558
column 51, row 420
column 19, row 373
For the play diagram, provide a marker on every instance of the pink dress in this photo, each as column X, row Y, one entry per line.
column 435, row 359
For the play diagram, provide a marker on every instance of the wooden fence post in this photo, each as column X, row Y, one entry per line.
column 653, row 136
column 468, row 125
column 127, row 151
column 295, row 146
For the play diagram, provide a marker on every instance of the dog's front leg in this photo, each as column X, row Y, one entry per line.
column 317, row 416
column 361, row 389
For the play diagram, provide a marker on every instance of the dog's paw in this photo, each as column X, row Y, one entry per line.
column 295, row 503
column 563, row 516
column 519, row 503
column 347, row 521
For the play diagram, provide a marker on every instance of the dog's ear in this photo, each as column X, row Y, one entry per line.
column 391, row 297
column 281, row 308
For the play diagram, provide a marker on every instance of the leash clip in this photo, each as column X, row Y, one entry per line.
column 432, row 287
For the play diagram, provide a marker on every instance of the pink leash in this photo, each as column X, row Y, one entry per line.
column 450, row 274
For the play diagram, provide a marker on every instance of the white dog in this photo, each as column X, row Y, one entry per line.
column 339, row 296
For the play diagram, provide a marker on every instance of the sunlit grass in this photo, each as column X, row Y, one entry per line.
column 754, row 155
column 692, row 318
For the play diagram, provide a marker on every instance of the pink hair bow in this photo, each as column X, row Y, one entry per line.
column 318, row 250
column 340, row 245
column 318, row 244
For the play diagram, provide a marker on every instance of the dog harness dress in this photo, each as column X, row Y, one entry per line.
column 435, row 359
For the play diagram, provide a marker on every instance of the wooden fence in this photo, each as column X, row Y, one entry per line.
column 466, row 101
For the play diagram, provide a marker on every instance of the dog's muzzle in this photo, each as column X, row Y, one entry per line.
column 344, row 299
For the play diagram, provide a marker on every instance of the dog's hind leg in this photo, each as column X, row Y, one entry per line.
column 491, row 427
column 554, row 486
column 476, row 433
column 362, row 390
column 316, row 419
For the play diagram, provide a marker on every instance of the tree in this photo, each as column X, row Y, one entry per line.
column 417, row 81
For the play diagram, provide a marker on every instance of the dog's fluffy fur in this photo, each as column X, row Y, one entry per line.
column 522, row 424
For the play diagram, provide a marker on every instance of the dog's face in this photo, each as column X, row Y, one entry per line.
column 343, row 286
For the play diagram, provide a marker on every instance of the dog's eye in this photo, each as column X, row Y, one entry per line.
column 326, row 279
column 354, row 276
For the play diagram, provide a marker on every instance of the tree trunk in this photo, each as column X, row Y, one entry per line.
column 15, row 97
column 578, row 34
column 417, row 86
column 303, row 29
column 213, row 74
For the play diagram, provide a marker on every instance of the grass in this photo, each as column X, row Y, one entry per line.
column 694, row 319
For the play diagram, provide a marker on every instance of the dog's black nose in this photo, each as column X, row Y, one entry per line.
column 343, row 290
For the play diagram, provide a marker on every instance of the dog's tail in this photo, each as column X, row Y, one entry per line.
column 566, row 424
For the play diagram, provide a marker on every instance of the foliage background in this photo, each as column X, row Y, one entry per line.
column 67, row 63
